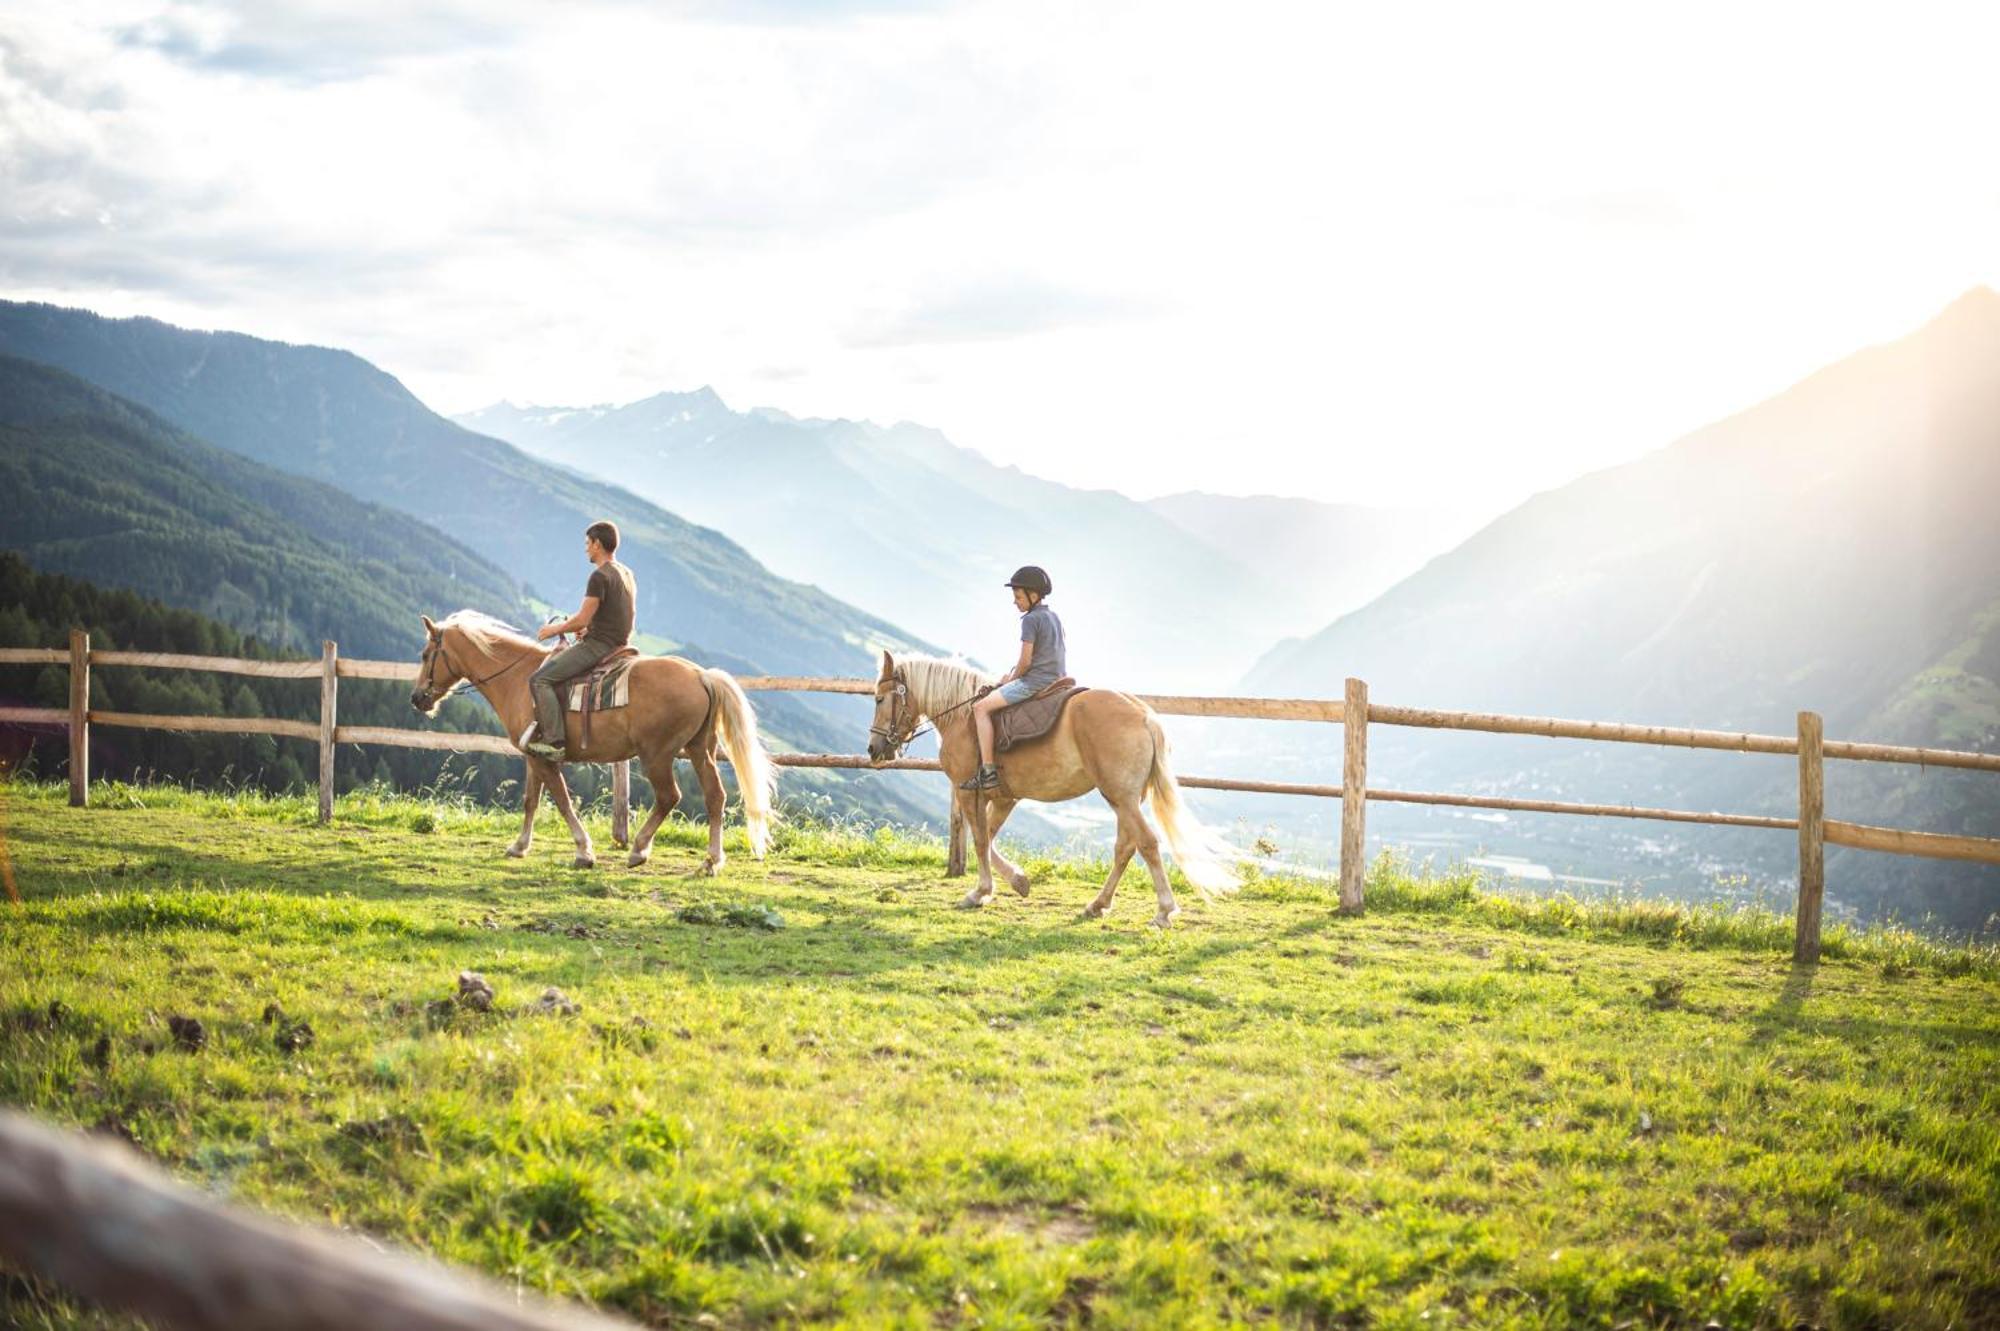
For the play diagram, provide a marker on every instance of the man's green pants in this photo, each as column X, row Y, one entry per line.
column 573, row 660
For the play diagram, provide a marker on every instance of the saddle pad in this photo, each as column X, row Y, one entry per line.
column 610, row 685
column 1032, row 719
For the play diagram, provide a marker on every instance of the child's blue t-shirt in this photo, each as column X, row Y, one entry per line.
column 1040, row 627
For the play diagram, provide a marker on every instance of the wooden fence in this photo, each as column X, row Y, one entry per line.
column 1814, row 829
column 92, row 1217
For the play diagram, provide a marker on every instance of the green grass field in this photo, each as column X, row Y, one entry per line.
column 1455, row 1110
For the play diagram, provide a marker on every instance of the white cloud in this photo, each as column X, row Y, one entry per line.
column 1356, row 252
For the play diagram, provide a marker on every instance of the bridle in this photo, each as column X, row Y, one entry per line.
column 435, row 651
column 887, row 734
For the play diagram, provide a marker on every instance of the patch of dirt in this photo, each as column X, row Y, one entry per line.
column 1066, row 1226
column 558, row 929
column 1369, row 1065
column 390, row 1130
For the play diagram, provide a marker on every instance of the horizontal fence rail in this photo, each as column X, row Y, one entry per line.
column 1808, row 745
column 98, row 1221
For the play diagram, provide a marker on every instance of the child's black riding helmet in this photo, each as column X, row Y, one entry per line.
column 1031, row 579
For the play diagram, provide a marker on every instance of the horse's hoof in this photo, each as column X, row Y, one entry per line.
column 637, row 858
column 973, row 902
column 1095, row 912
column 517, row 852
column 1019, row 882
column 1166, row 918
column 710, row 868
column 584, row 862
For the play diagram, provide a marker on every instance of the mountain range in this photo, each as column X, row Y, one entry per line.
column 898, row 515
column 1834, row 548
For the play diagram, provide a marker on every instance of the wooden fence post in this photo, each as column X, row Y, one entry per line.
column 329, row 687
column 621, row 803
column 1354, row 795
column 1812, row 836
column 79, row 718
column 954, row 859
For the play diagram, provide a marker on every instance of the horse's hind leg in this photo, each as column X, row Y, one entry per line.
column 552, row 777
column 715, row 799
column 1135, row 830
column 1120, row 857
column 666, row 795
column 531, row 799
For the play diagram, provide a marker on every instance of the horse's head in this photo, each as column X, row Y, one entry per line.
column 895, row 714
column 435, row 672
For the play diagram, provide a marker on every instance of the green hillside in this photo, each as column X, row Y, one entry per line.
column 1453, row 1111
column 107, row 491
column 332, row 416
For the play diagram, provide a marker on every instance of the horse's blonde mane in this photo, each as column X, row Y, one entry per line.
column 483, row 632
column 936, row 684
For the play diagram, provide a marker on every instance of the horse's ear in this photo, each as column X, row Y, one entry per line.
column 888, row 666
column 429, row 627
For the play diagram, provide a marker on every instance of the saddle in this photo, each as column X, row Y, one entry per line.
column 1030, row 720
column 607, row 686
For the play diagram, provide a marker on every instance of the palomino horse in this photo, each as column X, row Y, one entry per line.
column 677, row 708
column 1107, row 741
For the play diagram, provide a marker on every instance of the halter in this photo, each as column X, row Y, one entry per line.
column 887, row 733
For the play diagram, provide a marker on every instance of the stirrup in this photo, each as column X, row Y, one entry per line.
column 987, row 777
column 537, row 748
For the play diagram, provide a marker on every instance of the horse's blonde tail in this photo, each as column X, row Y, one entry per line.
column 1204, row 857
column 756, row 776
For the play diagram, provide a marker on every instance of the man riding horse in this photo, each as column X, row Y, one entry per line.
column 605, row 624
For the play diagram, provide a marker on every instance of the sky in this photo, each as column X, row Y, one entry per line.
column 1403, row 255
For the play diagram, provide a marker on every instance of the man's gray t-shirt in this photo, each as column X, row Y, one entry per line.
column 1041, row 628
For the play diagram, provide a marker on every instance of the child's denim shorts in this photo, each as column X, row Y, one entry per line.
column 1016, row 690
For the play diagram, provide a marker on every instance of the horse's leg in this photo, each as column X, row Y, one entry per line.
column 981, row 830
column 531, row 799
column 666, row 795
column 995, row 817
column 715, row 798
column 559, row 791
column 1149, row 850
column 1120, row 857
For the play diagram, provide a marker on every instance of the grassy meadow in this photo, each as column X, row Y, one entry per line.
column 809, row 1092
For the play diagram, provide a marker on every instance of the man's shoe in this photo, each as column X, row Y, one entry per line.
column 986, row 778
column 543, row 749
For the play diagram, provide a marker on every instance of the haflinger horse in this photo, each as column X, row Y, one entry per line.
column 678, row 709
column 1107, row 741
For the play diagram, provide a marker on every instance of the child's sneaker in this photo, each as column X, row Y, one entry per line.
column 986, row 778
